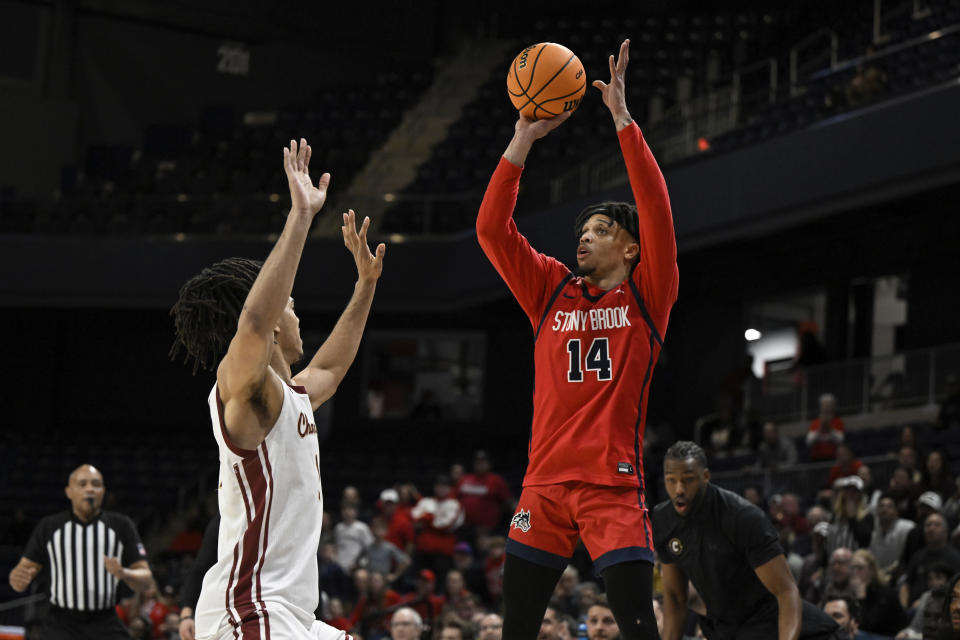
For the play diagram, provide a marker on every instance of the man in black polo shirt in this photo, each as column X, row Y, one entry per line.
column 89, row 552
column 731, row 553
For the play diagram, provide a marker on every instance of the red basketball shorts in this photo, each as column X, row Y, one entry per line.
column 613, row 523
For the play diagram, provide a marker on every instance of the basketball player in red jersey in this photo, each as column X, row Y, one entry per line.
column 264, row 583
column 597, row 336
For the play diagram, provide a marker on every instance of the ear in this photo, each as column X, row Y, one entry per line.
column 631, row 251
column 706, row 475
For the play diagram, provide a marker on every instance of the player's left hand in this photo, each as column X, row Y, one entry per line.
column 369, row 265
column 614, row 95
column 113, row 567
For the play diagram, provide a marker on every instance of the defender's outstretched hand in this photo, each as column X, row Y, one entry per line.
column 305, row 197
column 614, row 94
column 369, row 266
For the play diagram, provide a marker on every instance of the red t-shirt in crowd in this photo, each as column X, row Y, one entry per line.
column 482, row 497
column 400, row 528
column 836, row 471
column 594, row 350
column 824, row 447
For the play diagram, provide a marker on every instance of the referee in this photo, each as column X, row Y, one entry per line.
column 89, row 552
column 731, row 553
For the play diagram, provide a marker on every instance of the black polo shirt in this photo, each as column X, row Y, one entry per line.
column 718, row 546
column 74, row 551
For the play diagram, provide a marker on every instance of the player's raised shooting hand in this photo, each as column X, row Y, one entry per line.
column 305, row 197
column 528, row 131
column 536, row 129
column 614, row 92
column 369, row 265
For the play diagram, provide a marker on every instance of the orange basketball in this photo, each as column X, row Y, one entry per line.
column 545, row 80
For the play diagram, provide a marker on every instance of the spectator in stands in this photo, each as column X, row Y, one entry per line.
column 928, row 502
column 908, row 458
column 490, row 627
column 948, row 623
column 549, row 626
column 845, row 466
column 565, row 593
column 936, row 474
column 400, row 531
column 867, row 83
column 455, row 588
column 936, row 551
column 837, row 579
column 814, row 565
column 455, row 629
column 438, row 518
column 493, row 567
column 406, row 624
column 423, row 599
column 484, row 495
column 951, row 507
column 352, row 537
column 336, row 616
column 370, row 609
column 587, row 594
column 903, row 490
column 384, row 556
column 889, row 536
column 457, row 471
column 880, row 610
column 775, row 451
column 826, row 431
column 601, row 625
column 472, row 571
column 937, row 578
column 846, row 612
column 754, row 496
column 567, row 629
column 852, row 525
column 334, row 581
column 870, row 491
column 949, row 415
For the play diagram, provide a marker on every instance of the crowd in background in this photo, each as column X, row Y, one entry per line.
column 880, row 559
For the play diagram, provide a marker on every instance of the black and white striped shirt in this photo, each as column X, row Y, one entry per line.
column 74, row 553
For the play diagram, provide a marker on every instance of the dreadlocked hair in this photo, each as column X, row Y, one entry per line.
column 206, row 313
column 622, row 213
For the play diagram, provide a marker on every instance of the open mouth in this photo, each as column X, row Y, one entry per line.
column 582, row 251
column 681, row 506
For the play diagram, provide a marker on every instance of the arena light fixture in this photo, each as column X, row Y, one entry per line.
column 751, row 335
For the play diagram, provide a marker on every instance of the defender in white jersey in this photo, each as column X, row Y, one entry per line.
column 264, row 584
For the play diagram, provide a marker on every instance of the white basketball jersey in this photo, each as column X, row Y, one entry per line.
column 271, row 508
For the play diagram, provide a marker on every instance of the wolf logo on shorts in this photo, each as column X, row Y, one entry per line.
column 521, row 520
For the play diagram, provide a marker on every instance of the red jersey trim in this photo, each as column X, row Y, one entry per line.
column 238, row 450
column 298, row 388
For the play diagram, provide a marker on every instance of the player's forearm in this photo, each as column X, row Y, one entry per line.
column 519, row 147
column 340, row 348
column 621, row 117
column 789, row 614
column 137, row 579
column 674, row 616
column 271, row 290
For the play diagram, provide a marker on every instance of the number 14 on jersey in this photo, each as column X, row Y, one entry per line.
column 597, row 359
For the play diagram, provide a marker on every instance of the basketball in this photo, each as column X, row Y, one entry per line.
column 545, row 80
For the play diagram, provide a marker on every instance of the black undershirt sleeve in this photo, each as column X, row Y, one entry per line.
column 206, row 558
column 36, row 547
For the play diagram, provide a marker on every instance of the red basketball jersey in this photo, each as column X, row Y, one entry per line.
column 594, row 350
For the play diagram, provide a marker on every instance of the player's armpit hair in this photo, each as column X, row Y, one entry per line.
column 683, row 449
column 623, row 213
column 206, row 312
